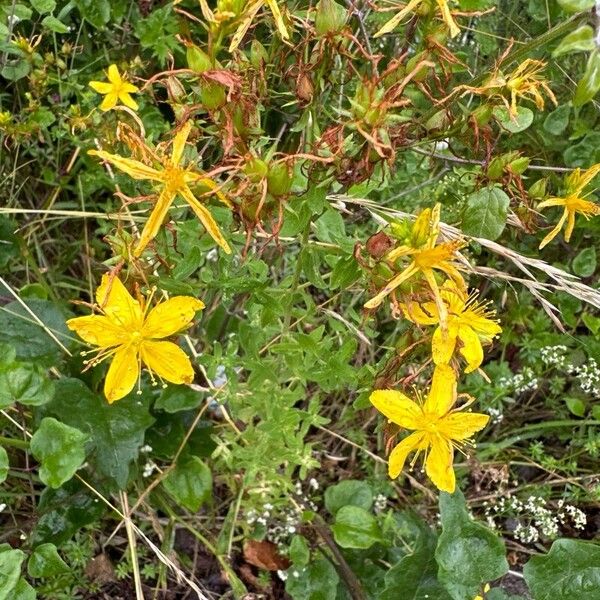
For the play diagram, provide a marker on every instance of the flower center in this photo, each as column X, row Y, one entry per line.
column 174, row 177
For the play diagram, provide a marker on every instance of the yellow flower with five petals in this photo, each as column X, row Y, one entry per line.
column 438, row 428
column 132, row 335
column 427, row 256
column 574, row 202
column 115, row 90
column 175, row 180
column 469, row 322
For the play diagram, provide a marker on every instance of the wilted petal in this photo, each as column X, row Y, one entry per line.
column 398, row 17
column 168, row 361
column 439, row 464
column 415, row 312
column 155, row 220
column 397, row 407
column 122, row 374
column 401, row 451
column 570, row 225
column 179, row 143
column 391, row 286
column 471, row 348
column 171, row 316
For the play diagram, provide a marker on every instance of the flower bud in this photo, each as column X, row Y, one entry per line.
column 279, row 180
column 538, row 189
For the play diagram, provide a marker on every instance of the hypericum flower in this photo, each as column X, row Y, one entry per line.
column 427, row 256
column 131, row 334
column 437, row 427
column 524, row 82
column 574, row 202
column 175, row 180
column 115, row 90
column 468, row 320
column 411, row 7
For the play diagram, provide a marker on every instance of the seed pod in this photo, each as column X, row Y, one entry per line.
column 256, row 169
column 212, row 95
column 379, row 244
column 538, row 189
column 330, row 18
column 519, row 165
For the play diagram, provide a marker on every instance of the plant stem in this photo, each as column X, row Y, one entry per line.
column 5, row 441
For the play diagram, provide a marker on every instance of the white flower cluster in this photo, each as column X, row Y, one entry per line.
column 535, row 520
column 380, row 503
column 588, row 377
column 496, row 415
column 554, row 356
column 522, row 382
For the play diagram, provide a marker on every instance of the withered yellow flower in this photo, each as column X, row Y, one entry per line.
column 574, row 202
column 115, row 90
column 250, row 12
column 427, row 256
column 131, row 333
column 438, row 428
column 469, row 322
column 175, row 180
column 411, row 7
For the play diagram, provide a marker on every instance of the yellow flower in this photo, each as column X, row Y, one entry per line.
column 574, row 202
column 411, row 7
column 117, row 89
column 524, row 82
column 427, row 256
column 175, row 180
column 437, row 427
column 131, row 335
column 468, row 321
column 486, row 589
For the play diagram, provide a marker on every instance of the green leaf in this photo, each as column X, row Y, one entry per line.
column 485, row 213
column 10, row 570
column 189, row 483
column 116, row 431
column 344, row 273
column 4, row 465
column 46, row 562
column 53, row 24
column 299, row 551
column 468, row 554
column 592, row 322
column 580, row 40
column 43, row 6
column 60, row 450
column 574, row 6
column 15, row 69
column 23, row 591
column 589, row 84
column 96, row 12
column 514, row 123
column 570, row 570
column 309, row 259
column 26, row 383
column 556, row 122
column 584, row 264
column 576, row 406
column 348, row 493
column 178, row 397
column 318, row 581
column 9, row 242
column 354, row 527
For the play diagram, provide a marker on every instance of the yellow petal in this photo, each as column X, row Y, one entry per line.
column 448, row 19
column 128, row 101
column 442, row 394
column 122, row 374
column 397, row 407
column 471, row 348
column 133, row 168
column 555, row 231
column 415, row 312
column 118, row 304
column 398, row 17
column 113, row 75
column 283, row 32
column 109, row 101
column 587, row 176
column 168, row 361
column 462, row 425
column 552, row 202
column 401, row 451
column 179, row 142
column 391, row 286
column 205, row 218
column 570, row 225
column 443, row 344
column 439, row 464
column 238, row 36
column 171, row 316
column 129, row 88
column 197, row 178
column 484, row 327
column 98, row 330
column 101, row 87
column 155, row 220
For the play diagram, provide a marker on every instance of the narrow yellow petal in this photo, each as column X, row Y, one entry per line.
column 283, row 32
column 587, row 176
column 442, row 394
column 471, row 348
column 205, row 218
column 555, row 231
column 102, row 87
column 122, row 374
column 171, row 316
column 551, row 202
column 179, row 142
column 118, row 304
column 109, row 101
column 391, row 286
column 439, row 464
column 417, row 313
column 398, row 408
column 128, row 101
column 198, row 179
column 448, row 18
column 238, row 36
column 134, row 168
column 462, row 425
column 401, row 451
column 397, row 18
column 570, row 225
column 443, row 344
column 98, row 330
column 129, row 88
column 114, row 76
column 168, row 361
column 155, row 220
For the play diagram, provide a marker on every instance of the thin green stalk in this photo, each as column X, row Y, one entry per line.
column 5, row 441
